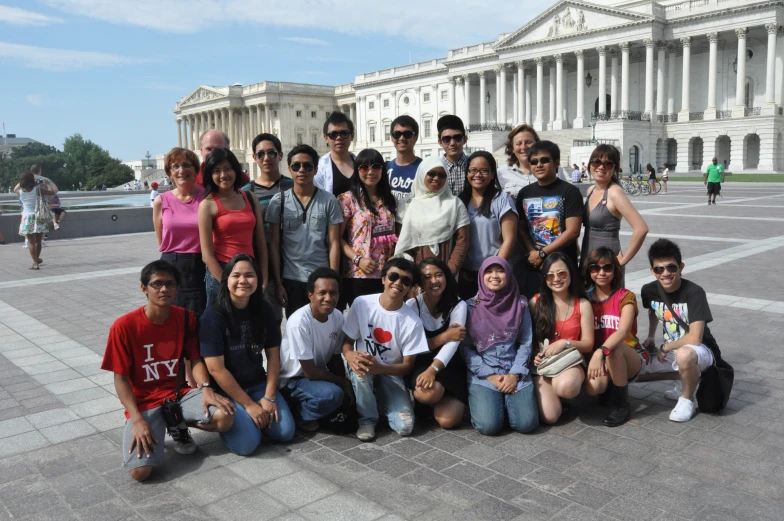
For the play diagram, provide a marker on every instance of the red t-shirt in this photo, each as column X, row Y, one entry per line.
column 200, row 177
column 148, row 354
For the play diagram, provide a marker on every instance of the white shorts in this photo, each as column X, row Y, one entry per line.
column 704, row 356
column 654, row 366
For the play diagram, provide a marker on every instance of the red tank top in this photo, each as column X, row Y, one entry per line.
column 570, row 328
column 232, row 230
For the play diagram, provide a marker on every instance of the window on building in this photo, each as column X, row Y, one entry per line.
column 313, row 114
column 426, row 97
column 299, row 113
column 387, row 157
column 386, row 103
column 328, row 114
column 426, row 153
column 387, row 130
column 274, row 113
column 314, row 139
column 371, row 105
column 372, row 133
column 426, row 127
column 444, row 95
column 300, row 138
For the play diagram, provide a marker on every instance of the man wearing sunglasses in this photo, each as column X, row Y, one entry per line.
column 208, row 142
column 383, row 336
column 336, row 167
column 305, row 230
column 402, row 169
column 452, row 137
column 694, row 348
column 551, row 213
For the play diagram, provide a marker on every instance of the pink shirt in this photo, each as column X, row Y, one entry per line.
column 180, row 223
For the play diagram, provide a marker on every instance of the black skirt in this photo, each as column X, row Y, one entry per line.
column 452, row 377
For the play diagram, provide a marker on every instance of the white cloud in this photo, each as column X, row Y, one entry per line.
column 16, row 16
column 60, row 59
column 305, row 41
column 38, row 100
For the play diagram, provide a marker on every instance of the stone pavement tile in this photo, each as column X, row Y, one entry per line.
column 539, row 502
column 342, row 506
column 40, row 401
column 523, row 447
column 95, row 407
column 14, row 426
column 492, row 509
column 209, row 486
column 55, row 514
column 22, row 443
column 424, row 479
column 16, row 354
column 501, row 487
column 323, row 456
column 449, row 442
column 299, row 489
column 575, row 512
column 102, row 379
column 8, row 403
column 479, row 453
column 407, row 448
column 366, row 453
column 68, row 431
column 554, row 460
column 587, row 495
column 22, row 487
column 107, row 421
column 513, row 467
column 84, row 395
column 48, row 367
column 548, row 480
column 217, row 452
column 264, row 467
column 674, row 502
column 12, row 380
column 467, row 473
column 34, row 360
column 91, row 447
column 293, row 516
column 630, row 510
column 393, row 466
column 56, row 376
column 51, row 418
column 343, row 474
column 33, row 392
column 34, row 503
column 252, row 504
column 674, row 479
column 69, row 386
column 92, row 368
column 155, row 506
column 133, row 491
column 394, row 495
column 437, row 460
column 458, row 495
column 189, row 514
column 113, row 510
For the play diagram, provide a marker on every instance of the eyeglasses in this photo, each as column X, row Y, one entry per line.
column 458, row 138
column 159, row 284
column 483, row 172
column 338, row 133
column 440, row 175
column 607, row 268
column 306, row 167
column 562, row 275
column 397, row 134
column 271, row 153
column 375, row 166
column 404, row 279
column 542, row 160
column 184, row 166
column 608, row 165
column 672, row 268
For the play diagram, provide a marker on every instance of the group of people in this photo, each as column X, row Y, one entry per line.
column 465, row 288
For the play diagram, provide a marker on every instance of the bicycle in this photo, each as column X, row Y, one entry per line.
column 629, row 187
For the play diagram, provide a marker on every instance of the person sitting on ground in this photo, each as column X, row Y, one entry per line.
column 58, row 212
column 563, row 317
column 496, row 351
column 236, row 333
column 336, row 167
column 695, row 349
column 439, row 377
column 312, row 375
column 143, row 351
column 383, row 336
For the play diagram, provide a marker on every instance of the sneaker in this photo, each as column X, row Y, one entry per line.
column 308, row 426
column 684, row 410
column 43, row 244
column 56, row 226
column 26, row 244
column 674, row 393
column 366, row 432
column 183, row 442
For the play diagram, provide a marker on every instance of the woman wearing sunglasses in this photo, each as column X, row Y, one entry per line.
column 368, row 230
column 563, row 317
column 436, row 223
column 605, row 205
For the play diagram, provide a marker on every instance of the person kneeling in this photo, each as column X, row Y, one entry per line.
column 383, row 336
column 313, row 378
column 145, row 351
column 236, row 332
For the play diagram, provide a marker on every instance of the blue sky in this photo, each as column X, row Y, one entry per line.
column 112, row 70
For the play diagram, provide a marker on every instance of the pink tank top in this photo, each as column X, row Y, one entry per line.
column 570, row 328
column 232, row 231
column 180, row 223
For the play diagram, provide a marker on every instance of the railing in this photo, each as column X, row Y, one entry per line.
column 646, row 116
column 754, row 111
column 667, row 118
column 630, row 115
column 723, row 114
column 594, row 142
column 500, row 127
column 696, row 116
column 600, row 116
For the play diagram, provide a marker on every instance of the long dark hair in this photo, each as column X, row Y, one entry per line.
column 492, row 189
column 371, row 156
column 544, row 312
column 451, row 296
column 603, row 252
column 217, row 156
column 610, row 153
column 225, row 307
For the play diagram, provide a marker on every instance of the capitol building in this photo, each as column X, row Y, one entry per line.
column 669, row 81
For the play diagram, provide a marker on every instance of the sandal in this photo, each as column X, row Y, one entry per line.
column 34, row 268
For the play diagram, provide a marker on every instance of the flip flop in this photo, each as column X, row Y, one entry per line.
column 34, row 268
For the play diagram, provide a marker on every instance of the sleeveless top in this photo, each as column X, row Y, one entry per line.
column 570, row 328
column 180, row 223
column 607, row 319
column 28, row 201
column 602, row 228
column 232, row 230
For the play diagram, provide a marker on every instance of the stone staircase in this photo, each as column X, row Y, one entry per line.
column 562, row 138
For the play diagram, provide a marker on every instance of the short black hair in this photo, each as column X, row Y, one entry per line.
column 338, row 118
column 322, row 273
column 664, row 249
column 402, row 264
column 217, row 156
column 450, row 122
column 545, row 146
column 267, row 137
column 304, row 149
column 160, row 266
column 405, row 121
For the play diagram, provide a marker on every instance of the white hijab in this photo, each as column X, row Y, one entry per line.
column 431, row 217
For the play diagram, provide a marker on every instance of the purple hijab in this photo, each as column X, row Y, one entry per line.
column 496, row 316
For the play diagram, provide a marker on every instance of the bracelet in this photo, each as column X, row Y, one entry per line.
column 435, row 368
column 661, row 349
column 356, row 259
column 271, row 400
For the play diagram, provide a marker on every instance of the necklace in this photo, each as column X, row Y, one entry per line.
column 563, row 322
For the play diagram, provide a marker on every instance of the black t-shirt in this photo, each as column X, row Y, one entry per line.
column 340, row 183
column 689, row 302
column 544, row 209
column 242, row 353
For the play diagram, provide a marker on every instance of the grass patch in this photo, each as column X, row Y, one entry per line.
column 739, row 178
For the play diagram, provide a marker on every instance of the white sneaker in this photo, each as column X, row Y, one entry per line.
column 684, row 410
column 674, row 393
column 26, row 244
column 43, row 244
column 56, row 226
column 366, row 432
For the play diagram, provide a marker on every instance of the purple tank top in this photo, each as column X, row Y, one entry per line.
column 180, row 223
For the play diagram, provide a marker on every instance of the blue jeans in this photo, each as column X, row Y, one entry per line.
column 244, row 436
column 488, row 405
column 393, row 394
column 312, row 399
column 212, row 285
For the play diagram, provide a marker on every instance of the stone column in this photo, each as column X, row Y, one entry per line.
column 671, row 79
column 770, row 71
column 358, row 123
column 452, row 80
column 179, row 132
column 502, row 102
column 552, row 116
column 459, row 104
column 539, row 123
column 625, row 77
column 515, row 105
column 467, row 92
column 579, row 121
column 614, row 82
column 497, row 94
column 520, row 116
column 660, row 63
column 710, row 111
column 352, row 111
column 558, row 121
column 683, row 115
column 602, row 50
column 231, row 133
column 649, row 76
column 482, row 96
column 739, row 110
column 270, row 121
column 528, row 117
column 194, row 136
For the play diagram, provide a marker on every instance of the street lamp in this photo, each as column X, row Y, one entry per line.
column 487, row 98
column 593, row 128
column 588, row 80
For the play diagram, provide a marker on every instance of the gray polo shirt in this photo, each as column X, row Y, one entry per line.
column 305, row 231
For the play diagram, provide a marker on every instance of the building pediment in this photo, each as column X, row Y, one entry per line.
column 202, row 94
column 570, row 18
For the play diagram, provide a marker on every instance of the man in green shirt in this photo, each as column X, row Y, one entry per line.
column 713, row 177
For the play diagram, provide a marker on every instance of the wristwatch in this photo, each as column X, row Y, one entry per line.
column 355, row 260
column 605, row 351
column 542, row 253
column 205, row 384
column 568, row 344
column 435, row 368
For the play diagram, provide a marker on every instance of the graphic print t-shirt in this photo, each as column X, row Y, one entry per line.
column 308, row 339
column 401, row 179
column 148, row 353
column 387, row 335
column 545, row 209
column 689, row 302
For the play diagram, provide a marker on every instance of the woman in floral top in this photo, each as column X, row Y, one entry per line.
column 368, row 231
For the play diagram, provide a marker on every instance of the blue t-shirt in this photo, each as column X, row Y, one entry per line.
column 242, row 353
column 401, row 179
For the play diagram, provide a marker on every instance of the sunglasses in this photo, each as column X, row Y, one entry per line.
column 458, row 138
column 404, row 279
column 271, row 153
column 440, row 175
column 397, row 134
column 672, row 268
column 375, row 166
column 607, row 268
column 542, row 160
column 338, row 133
column 562, row 275
column 306, row 167
column 159, row 284
column 608, row 165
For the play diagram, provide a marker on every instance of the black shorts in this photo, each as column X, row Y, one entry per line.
column 57, row 211
column 714, row 188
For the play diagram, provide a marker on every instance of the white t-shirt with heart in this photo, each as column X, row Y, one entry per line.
column 387, row 335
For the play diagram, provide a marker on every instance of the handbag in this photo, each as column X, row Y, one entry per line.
column 552, row 366
column 43, row 213
column 716, row 381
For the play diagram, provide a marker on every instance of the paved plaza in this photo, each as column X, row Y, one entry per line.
column 61, row 423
